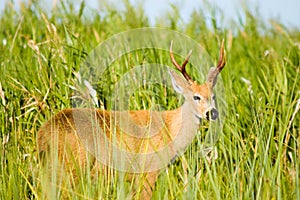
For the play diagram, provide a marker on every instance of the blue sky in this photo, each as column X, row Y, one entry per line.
column 286, row 11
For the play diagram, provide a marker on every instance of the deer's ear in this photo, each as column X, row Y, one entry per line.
column 211, row 78
column 178, row 82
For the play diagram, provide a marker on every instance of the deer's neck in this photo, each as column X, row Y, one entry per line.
column 183, row 128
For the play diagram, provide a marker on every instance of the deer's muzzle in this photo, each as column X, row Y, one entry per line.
column 212, row 114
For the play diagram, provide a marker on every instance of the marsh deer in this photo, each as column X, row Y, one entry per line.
column 72, row 133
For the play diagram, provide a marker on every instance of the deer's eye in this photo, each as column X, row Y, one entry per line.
column 197, row 98
column 214, row 97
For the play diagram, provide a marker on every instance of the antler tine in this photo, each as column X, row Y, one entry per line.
column 182, row 67
column 222, row 58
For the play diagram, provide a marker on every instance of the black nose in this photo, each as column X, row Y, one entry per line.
column 212, row 114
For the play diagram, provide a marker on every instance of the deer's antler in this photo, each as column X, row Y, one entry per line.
column 182, row 67
column 213, row 73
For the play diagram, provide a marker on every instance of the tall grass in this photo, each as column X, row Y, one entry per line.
column 258, row 150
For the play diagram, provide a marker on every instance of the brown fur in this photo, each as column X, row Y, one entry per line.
column 74, row 138
column 63, row 130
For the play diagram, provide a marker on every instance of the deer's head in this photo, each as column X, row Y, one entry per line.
column 200, row 98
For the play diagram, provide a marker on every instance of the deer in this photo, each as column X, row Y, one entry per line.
column 174, row 129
